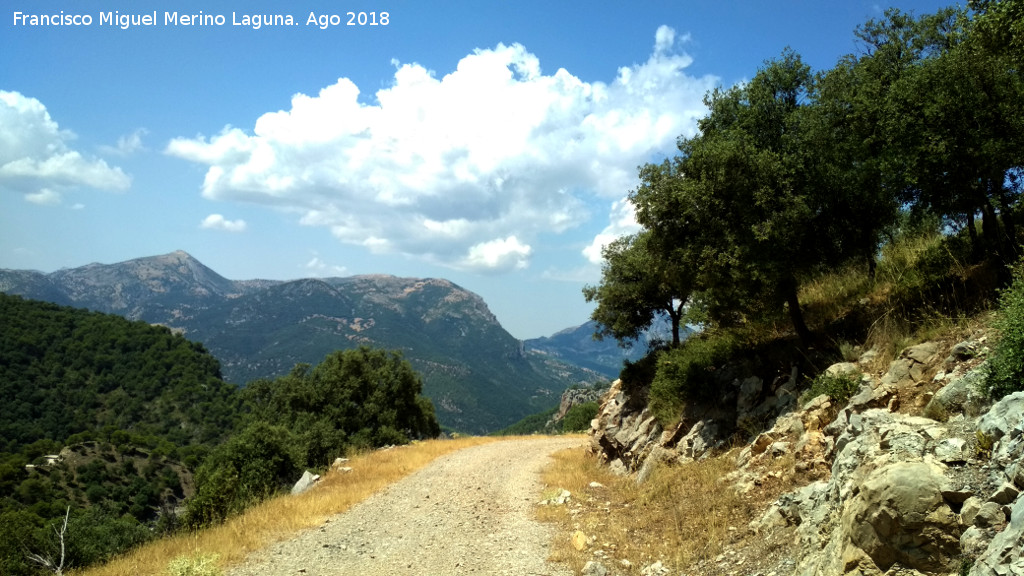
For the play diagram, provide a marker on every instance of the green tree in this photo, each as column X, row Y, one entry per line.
column 252, row 465
column 754, row 208
column 362, row 396
column 639, row 282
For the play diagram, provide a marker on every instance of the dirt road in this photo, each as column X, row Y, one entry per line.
column 470, row 512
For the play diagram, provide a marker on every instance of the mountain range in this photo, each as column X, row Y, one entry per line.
column 479, row 377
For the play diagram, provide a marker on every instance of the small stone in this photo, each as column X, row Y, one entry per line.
column 1005, row 494
column 579, row 540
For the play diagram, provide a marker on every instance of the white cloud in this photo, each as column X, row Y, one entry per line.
column 218, row 222
column 622, row 221
column 128, row 144
column 44, row 197
column 465, row 170
column 320, row 268
column 36, row 159
column 498, row 255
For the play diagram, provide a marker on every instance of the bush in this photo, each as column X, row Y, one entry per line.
column 1006, row 367
column 577, row 418
column 838, row 387
column 688, row 372
column 250, row 467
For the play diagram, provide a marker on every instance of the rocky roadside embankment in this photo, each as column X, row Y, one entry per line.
column 916, row 474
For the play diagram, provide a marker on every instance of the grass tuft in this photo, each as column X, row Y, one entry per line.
column 661, row 519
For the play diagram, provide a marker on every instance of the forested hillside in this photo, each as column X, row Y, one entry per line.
column 104, row 421
column 66, row 371
column 98, row 414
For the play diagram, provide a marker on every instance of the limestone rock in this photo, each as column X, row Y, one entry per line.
column 844, row 369
column 305, row 483
column 1005, row 416
column 899, row 515
column 961, row 395
column 1005, row 555
column 952, row 451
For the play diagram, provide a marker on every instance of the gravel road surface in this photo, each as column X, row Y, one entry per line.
column 470, row 512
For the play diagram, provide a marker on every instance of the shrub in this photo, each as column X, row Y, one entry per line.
column 1006, row 367
column 251, row 466
column 688, row 372
column 577, row 418
column 838, row 387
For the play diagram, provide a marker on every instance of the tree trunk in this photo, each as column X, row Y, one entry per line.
column 990, row 229
column 1012, row 249
column 797, row 316
column 676, row 315
column 972, row 232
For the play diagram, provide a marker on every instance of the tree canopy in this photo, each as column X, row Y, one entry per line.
column 795, row 172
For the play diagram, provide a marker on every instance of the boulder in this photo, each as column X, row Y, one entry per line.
column 1005, row 416
column 899, row 515
column 961, row 395
column 844, row 369
column 306, row 482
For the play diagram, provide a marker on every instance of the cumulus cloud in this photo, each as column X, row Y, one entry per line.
column 218, row 222
column 36, row 159
column 500, row 254
column 622, row 222
column 466, row 169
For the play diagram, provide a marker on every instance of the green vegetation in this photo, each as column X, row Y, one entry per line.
column 532, row 424
column 863, row 202
column 354, row 399
column 1006, row 366
column 129, row 401
column 687, row 372
column 107, row 418
column 838, row 387
column 577, row 418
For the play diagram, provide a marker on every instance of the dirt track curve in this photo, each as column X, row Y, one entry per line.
column 470, row 512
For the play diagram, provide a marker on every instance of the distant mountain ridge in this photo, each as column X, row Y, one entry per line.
column 578, row 346
column 479, row 376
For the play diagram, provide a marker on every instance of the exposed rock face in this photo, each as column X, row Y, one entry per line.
column 890, row 492
column 575, row 396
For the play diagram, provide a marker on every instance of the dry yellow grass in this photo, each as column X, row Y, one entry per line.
column 681, row 515
column 278, row 518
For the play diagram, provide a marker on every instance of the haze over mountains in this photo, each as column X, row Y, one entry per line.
column 479, row 376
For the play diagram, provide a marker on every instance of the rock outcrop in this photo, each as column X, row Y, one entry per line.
column 889, row 490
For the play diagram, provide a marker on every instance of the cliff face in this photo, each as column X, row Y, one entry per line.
column 915, row 474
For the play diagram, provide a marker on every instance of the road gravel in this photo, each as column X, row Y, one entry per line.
column 469, row 512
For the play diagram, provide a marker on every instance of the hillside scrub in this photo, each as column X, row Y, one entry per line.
column 108, row 418
column 353, row 400
column 1006, row 366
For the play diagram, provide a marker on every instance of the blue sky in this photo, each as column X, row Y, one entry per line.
column 489, row 143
